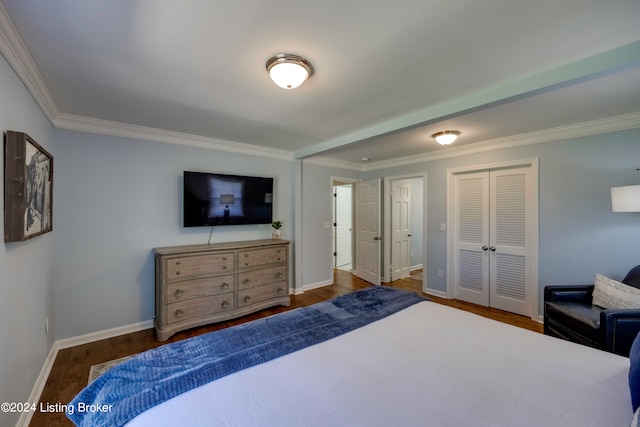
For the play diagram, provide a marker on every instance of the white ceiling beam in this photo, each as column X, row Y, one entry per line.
column 587, row 68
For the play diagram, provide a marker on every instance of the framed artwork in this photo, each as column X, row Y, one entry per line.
column 28, row 188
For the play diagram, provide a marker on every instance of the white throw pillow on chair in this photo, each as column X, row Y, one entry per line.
column 609, row 293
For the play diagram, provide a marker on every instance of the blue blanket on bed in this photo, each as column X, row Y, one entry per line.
column 157, row 375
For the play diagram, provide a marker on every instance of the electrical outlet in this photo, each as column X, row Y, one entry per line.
column 441, row 274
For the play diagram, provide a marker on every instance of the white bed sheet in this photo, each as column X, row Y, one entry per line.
column 428, row 365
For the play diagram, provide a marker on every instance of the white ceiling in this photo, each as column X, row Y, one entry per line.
column 387, row 74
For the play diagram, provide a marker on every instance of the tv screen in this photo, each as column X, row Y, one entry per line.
column 217, row 199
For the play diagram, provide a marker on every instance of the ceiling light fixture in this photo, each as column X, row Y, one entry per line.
column 289, row 71
column 446, row 137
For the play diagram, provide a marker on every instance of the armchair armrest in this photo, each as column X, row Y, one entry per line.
column 578, row 293
column 620, row 328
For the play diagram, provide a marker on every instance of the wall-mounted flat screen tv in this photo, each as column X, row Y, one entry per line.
column 217, row 199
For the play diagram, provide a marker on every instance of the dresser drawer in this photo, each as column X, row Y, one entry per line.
column 186, row 289
column 259, row 277
column 189, row 309
column 198, row 265
column 261, row 293
column 256, row 257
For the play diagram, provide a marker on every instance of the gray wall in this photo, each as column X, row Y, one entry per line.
column 579, row 235
column 317, row 201
column 25, row 267
column 116, row 199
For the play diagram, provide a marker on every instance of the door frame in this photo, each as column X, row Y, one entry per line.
column 335, row 180
column 335, row 187
column 533, row 290
column 386, row 220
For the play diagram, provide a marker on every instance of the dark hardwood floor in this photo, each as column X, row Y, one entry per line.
column 70, row 371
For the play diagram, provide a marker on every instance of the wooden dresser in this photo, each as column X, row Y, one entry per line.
column 201, row 284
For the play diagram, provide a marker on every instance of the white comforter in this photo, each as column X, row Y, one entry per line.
column 428, row 365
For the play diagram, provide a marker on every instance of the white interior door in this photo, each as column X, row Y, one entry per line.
column 491, row 243
column 400, row 228
column 368, row 231
column 509, row 251
column 471, row 236
column 343, row 225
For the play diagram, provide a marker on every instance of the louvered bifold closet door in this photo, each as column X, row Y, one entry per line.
column 471, row 207
column 508, row 240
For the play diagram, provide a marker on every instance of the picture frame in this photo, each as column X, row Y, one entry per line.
column 28, row 188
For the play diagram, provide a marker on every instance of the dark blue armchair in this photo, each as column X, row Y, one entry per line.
column 569, row 314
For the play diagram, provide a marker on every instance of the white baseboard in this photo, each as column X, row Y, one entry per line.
column 435, row 293
column 25, row 418
column 101, row 335
column 310, row 286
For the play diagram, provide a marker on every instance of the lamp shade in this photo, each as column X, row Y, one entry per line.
column 227, row 199
column 625, row 199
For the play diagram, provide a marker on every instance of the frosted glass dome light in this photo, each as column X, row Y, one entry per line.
column 289, row 71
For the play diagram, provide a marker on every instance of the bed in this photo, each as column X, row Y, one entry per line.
column 376, row 357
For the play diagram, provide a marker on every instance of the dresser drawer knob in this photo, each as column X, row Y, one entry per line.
column 178, row 262
column 280, row 291
column 225, row 286
column 246, row 281
column 247, row 298
column 246, row 255
column 179, row 313
column 224, row 267
column 279, row 275
column 246, row 263
column 225, row 304
column 178, row 273
column 224, row 258
column 178, row 293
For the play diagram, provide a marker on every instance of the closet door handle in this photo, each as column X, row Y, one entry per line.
column 492, row 248
column 485, row 248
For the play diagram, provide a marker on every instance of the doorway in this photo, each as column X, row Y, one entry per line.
column 343, row 225
column 405, row 213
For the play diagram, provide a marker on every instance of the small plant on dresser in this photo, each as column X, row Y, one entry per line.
column 276, row 232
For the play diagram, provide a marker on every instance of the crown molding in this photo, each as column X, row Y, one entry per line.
column 17, row 55
column 15, row 52
column 595, row 127
column 122, row 130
